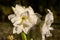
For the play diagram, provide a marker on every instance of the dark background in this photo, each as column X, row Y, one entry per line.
column 39, row 6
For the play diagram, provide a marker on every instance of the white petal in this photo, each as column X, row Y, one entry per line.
column 11, row 16
column 17, row 23
column 17, row 29
column 19, row 9
column 38, row 15
column 16, row 18
column 27, row 22
column 49, row 11
column 33, row 19
column 13, row 9
column 48, row 34
column 26, row 29
column 13, row 19
column 30, row 10
column 51, row 28
column 14, row 31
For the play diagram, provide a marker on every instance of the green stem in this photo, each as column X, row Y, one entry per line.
column 23, row 35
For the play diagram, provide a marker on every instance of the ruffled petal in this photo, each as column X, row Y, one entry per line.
column 26, row 29
column 17, row 29
column 11, row 16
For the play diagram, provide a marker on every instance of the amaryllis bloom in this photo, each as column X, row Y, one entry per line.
column 47, row 25
column 23, row 19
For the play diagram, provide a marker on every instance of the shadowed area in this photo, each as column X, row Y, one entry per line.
column 39, row 6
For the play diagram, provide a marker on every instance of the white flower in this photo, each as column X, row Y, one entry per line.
column 24, row 19
column 49, row 19
column 47, row 25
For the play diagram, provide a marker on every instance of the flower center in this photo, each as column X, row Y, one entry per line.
column 23, row 18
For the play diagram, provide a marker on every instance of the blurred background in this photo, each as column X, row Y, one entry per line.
column 39, row 6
